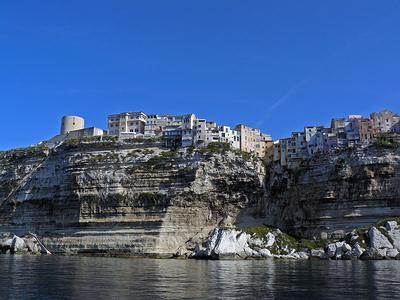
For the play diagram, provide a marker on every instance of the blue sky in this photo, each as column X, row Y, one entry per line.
column 277, row 65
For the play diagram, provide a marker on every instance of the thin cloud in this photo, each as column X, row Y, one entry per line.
column 278, row 102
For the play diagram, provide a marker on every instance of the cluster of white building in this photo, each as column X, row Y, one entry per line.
column 187, row 130
column 173, row 130
column 354, row 130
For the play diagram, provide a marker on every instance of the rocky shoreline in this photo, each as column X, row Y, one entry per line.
column 374, row 243
column 377, row 242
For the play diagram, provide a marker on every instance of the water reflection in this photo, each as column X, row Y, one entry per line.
column 52, row 277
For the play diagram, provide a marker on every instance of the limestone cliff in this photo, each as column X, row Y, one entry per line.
column 133, row 198
column 335, row 193
column 137, row 198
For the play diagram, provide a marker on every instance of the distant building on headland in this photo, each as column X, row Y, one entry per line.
column 73, row 127
column 354, row 130
column 71, row 123
column 187, row 130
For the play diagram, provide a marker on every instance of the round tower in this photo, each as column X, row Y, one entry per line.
column 71, row 123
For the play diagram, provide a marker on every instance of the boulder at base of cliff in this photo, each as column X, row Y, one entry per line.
column 318, row 253
column 392, row 253
column 391, row 225
column 32, row 245
column 302, row 255
column 18, row 245
column 357, row 250
column 374, row 254
column 227, row 243
column 5, row 243
column 378, row 240
column 265, row 253
column 394, row 234
column 331, row 250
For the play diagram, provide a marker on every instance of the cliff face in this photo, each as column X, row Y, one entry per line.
column 131, row 198
column 140, row 199
column 338, row 193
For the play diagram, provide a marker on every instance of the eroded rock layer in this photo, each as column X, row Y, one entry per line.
column 336, row 193
column 124, row 198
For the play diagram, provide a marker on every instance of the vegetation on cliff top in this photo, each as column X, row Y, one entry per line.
column 386, row 142
column 161, row 159
column 23, row 151
column 223, row 148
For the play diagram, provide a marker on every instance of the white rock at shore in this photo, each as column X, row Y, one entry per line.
column 378, row 240
column 18, row 245
column 392, row 253
column 357, row 250
column 391, row 225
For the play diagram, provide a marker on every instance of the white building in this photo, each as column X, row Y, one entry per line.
column 230, row 136
column 200, row 132
column 156, row 123
column 315, row 139
column 70, row 131
column 188, row 128
column 384, row 121
column 129, row 123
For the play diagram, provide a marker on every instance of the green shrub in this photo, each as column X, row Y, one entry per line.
column 216, row 147
column 386, row 143
column 23, row 151
column 259, row 230
column 190, row 149
column 283, row 239
column 161, row 159
column 383, row 221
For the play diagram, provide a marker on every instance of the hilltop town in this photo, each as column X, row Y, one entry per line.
column 190, row 131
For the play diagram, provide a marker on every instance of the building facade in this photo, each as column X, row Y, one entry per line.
column 384, row 121
column 252, row 140
column 127, row 123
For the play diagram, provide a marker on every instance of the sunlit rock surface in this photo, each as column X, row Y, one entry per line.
column 121, row 198
column 333, row 194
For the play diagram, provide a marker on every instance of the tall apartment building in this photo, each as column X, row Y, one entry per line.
column 338, row 126
column 227, row 135
column 347, row 130
column 396, row 128
column 199, row 133
column 252, row 140
column 314, row 136
column 284, row 147
column 188, row 126
column 384, row 121
column 156, row 123
column 352, row 130
column 266, row 143
column 330, row 139
column 127, row 123
column 206, row 132
column 366, row 131
column 297, row 147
